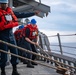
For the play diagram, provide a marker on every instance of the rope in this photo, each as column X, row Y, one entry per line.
column 43, row 51
column 52, row 59
column 28, row 59
column 47, row 54
column 35, row 54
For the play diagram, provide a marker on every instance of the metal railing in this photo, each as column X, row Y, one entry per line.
column 58, row 54
column 48, row 58
column 56, row 59
column 59, row 42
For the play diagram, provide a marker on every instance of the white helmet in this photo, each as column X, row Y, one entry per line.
column 3, row 1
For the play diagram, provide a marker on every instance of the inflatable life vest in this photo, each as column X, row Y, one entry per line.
column 18, row 34
column 7, row 19
column 33, row 31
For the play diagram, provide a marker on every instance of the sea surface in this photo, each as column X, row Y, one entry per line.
column 68, row 49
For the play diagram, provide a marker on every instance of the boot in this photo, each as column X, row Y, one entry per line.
column 15, row 72
column 3, row 71
column 30, row 65
column 25, row 61
column 33, row 63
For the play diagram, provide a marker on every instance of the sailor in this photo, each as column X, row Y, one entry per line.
column 7, row 21
column 30, row 32
column 19, row 39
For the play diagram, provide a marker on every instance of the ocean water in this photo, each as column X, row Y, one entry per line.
column 69, row 49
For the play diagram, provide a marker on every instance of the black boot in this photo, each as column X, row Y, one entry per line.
column 25, row 61
column 34, row 63
column 3, row 71
column 30, row 65
column 15, row 72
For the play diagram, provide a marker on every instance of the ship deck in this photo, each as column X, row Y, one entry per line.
column 37, row 70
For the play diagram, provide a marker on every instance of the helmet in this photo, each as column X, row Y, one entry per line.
column 22, row 26
column 3, row 1
column 33, row 21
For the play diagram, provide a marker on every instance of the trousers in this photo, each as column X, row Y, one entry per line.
column 30, row 47
column 8, row 36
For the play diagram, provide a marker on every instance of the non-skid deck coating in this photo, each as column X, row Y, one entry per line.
column 37, row 70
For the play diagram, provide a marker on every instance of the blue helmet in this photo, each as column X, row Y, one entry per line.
column 22, row 26
column 33, row 21
column 3, row 1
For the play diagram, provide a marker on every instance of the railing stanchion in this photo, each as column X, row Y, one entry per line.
column 60, row 43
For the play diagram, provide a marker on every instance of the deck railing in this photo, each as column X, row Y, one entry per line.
column 54, row 58
column 59, row 53
column 45, row 56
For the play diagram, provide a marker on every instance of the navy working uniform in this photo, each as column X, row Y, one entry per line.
column 19, row 40
column 30, row 31
column 24, row 15
column 7, row 21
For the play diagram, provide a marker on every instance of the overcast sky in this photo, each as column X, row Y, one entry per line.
column 62, row 18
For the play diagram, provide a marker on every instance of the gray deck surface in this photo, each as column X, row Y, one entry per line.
column 37, row 70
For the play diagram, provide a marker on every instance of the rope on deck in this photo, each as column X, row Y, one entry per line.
column 27, row 59
column 34, row 53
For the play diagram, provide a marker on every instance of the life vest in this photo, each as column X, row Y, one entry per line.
column 33, row 31
column 7, row 19
column 18, row 34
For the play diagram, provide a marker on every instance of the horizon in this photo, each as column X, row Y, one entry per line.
column 62, row 19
